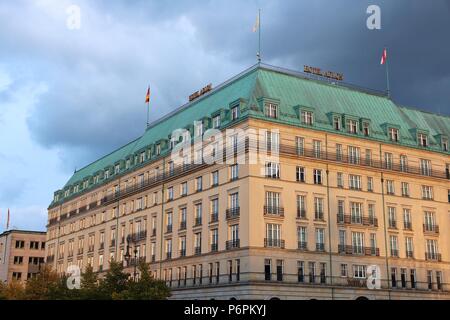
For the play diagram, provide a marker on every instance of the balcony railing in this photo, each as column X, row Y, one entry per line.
column 301, row 214
column 431, row 228
column 198, row 221
column 214, row 218
column 214, row 247
column 136, row 261
column 137, row 236
column 320, row 247
column 274, row 210
column 182, row 225
column 153, row 258
column 198, row 251
column 394, row 253
column 153, row 232
column 302, row 245
column 274, row 243
column 357, row 250
column 182, row 252
column 407, row 225
column 392, row 224
column 232, row 244
column 233, row 213
column 169, row 255
column 50, row 258
column 169, row 228
column 409, row 254
column 433, row 256
column 112, row 243
column 357, row 220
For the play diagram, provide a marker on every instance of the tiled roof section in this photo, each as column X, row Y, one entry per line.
column 293, row 91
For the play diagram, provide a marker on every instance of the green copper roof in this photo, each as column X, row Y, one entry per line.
column 293, row 91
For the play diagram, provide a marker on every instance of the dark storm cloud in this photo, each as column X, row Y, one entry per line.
column 97, row 76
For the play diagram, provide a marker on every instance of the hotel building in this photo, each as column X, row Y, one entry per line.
column 356, row 204
column 21, row 254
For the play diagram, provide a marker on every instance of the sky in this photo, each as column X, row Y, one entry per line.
column 69, row 95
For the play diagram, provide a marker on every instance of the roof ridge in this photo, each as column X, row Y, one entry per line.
column 423, row 111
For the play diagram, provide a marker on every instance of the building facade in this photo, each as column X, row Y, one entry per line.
column 317, row 191
column 21, row 254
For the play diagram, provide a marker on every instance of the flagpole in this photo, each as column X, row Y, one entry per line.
column 259, row 36
column 387, row 75
column 148, row 111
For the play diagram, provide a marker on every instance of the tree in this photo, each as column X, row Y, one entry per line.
column 40, row 287
column 146, row 288
column 14, row 290
column 2, row 291
column 89, row 285
column 114, row 282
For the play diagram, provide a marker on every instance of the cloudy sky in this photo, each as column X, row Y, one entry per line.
column 67, row 96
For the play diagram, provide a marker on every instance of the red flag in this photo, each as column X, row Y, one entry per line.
column 384, row 56
column 7, row 221
column 147, row 97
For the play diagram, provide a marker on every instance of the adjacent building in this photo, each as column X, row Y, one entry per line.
column 21, row 254
column 349, row 196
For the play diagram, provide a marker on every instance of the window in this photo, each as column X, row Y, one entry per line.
column 366, row 129
column 342, row 240
column 431, row 250
column 409, row 245
column 388, row 160
column 429, row 221
column 271, row 110
column 394, row 277
column 356, row 212
column 353, row 155
column 405, row 189
column 234, row 170
column 234, row 113
column 198, row 214
column 392, row 217
column 272, row 141
column 267, row 269
column 184, row 189
column 234, row 200
column 272, row 170
column 407, row 223
column 312, row 271
column 318, row 208
column 234, row 234
column 198, row 128
column 215, row 178
column 301, row 271
column 337, row 122
column 302, row 238
column 273, row 235
column 339, row 153
column 393, row 240
column 300, row 174
column 317, row 176
column 340, row 180
column 344, row 270
column 272, row 202
column 142, row 157
column 403, row 163
column 169, row 194
column 425, row 167
column 214, row 239
column 216, row 122
column 198, row 243
column 279, row 270
column 320, row 239
column 412, row 275
column 368, row 157
column 307, row 117
column 427, row 192
column 300, row 146
column 198, row 183
column 301, row 207
column 358, row 242
column 369, row 184
column 18, row 260
column 354, row 182
column 317, row 148
column 359, row 271
column 439, row 280
column 20, row 244
column 393, row 134
column 214, row 210
column 423, row 139
column 390, row 187
column 352, row 126
column 158, row 149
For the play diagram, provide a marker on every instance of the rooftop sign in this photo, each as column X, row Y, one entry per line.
column 201, row 92
column 325, row 74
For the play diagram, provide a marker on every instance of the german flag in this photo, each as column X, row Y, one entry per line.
column 147, row 96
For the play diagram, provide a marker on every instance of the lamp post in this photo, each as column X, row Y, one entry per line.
column 128, row 256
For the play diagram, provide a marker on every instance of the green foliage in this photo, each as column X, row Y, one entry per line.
column 115, row 285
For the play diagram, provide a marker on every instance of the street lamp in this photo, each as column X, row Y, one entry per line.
column 128, row 256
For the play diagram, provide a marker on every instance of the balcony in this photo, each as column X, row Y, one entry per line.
column 183, row 253
column 198, row 251
column 433, row 256
column 409, row 254
column 318, row 216
column 50, row 258
column 198, row 221
column 136, row 261
column 169, row 228
column 392, row 224
column 214, row 247
column 430, row 228
column 357, row 220
column 394, row 253
column 302, row 246
column 169, row 255
column 301, row 214
column 153, row 258
column 214, row 218
column 233, row 213
column 320, row 247
column 357, row 250
column 274, row 211
column 273, row 243
column 232, row 244
column 137, row 236
column 182, row 225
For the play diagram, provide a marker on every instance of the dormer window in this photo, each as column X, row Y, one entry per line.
column 234, row 113
column 271, row 110
column 352, row 126
column 307, row 118
column 75, row 189
column 158, row 149
column 444, row 142
column 142, row 157
column 66, row 193
column 337, row 123
column 393, row 134
column 198, row 128
column 85, row 184
column 56, row 197
column 366, row 129
column 106, row 174
column 116, row 169
column 127, row 164
column 423, row 140
column 216, row 122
